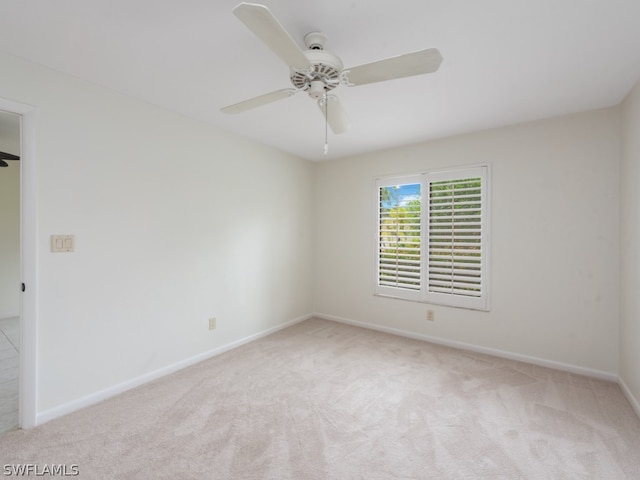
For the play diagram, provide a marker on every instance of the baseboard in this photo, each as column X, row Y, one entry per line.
column 478, row 349
column 74, row 405
column 9, row 315
column 635, row 404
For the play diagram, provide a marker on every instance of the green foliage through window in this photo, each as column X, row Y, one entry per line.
column 400, row 236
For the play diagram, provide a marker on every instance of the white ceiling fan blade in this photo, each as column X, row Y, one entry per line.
column 335, row 114
column 259, row 101
column 416, row 63
column 266, row 27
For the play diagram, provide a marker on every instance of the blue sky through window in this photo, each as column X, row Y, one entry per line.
column 401, row 195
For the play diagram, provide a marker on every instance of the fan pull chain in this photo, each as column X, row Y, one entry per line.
column 326, row 122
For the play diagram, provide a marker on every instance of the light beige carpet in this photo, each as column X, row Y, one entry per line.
column 321, row 400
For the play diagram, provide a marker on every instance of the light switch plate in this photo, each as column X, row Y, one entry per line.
column 62, row 243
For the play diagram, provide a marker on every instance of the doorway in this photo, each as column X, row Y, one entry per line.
column 9, row 270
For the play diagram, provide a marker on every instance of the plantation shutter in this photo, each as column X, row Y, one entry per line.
column 399, row 243
column 432, row 237
column 456, row 219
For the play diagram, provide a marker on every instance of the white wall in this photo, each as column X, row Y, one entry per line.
column 175, row 222
column 630, row 246
column 9, row 239
column 554, row 267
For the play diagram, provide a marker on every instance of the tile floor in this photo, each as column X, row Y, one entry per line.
column 9, row 364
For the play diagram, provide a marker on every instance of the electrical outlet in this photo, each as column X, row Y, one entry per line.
column 212, row 323
column 431, row 316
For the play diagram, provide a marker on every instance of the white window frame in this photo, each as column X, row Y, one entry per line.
column 480, row 302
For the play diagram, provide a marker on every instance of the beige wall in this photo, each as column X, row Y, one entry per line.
column 9, row 239
column 630, row 247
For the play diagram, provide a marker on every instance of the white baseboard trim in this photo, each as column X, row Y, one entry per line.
column 74, row 405
column 478, row 349
column 635, row 404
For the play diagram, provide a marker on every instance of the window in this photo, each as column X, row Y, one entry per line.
column 432, row 237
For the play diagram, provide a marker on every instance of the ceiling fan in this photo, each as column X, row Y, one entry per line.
column 7, row 156
column 317, row 71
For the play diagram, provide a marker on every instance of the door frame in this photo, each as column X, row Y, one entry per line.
column 28, row 385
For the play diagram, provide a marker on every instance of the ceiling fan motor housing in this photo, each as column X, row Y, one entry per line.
column 325, row 74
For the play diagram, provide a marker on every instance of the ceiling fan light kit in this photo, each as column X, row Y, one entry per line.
column 317, row 71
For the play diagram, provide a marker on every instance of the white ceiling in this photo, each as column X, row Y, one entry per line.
column 505, row 61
